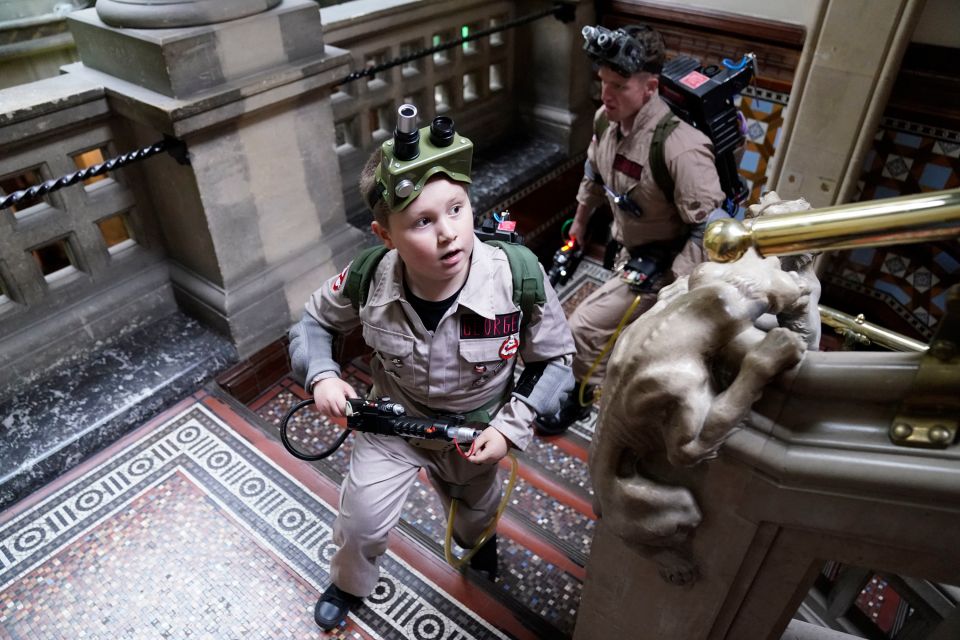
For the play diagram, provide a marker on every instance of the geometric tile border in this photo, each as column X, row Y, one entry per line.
column 276, row 508
column 906, row 158
column 764, row 111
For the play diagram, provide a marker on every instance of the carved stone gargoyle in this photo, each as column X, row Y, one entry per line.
column 667, row 400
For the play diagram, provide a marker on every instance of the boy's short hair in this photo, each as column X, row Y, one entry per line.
column 370, row 190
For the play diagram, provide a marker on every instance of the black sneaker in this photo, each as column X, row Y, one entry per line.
column 333, row 606
column 570, row 411
column 484, row 561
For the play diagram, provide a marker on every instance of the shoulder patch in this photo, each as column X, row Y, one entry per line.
column 337, row 284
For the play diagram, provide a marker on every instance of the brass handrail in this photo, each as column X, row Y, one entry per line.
column 875, row 223
column 860, row 329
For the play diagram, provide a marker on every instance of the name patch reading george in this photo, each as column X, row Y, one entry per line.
column 474, row 326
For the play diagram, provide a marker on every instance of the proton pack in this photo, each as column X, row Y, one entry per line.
column 498, row 226
column 703, row 97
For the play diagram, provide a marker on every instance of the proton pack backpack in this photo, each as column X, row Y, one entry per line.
column 703, row 98
column 528, row 288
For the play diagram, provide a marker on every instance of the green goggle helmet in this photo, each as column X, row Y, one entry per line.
column 413, row 156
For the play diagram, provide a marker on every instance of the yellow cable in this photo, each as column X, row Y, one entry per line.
column 491, row 529
column 606, row 347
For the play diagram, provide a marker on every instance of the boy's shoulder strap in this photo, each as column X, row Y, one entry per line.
column 361, row 273
column 658, row 158
column 528, row 288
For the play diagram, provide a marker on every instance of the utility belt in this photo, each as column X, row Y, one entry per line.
column 647, row 267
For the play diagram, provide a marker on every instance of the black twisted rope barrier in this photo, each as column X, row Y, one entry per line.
column 563, row 12
column 172, row 145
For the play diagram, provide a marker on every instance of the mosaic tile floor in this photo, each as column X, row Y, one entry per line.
column 189, row 530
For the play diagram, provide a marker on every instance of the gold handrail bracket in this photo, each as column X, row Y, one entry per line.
column 929, row 415
column 875, row 223
column 857, row 328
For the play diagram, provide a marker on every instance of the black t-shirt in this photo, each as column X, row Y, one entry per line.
column 430, row 311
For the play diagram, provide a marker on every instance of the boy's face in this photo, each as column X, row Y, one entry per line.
column 434, row 237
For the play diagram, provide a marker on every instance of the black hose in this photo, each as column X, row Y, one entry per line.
column 298, row 454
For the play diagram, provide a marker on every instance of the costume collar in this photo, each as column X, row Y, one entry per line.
column 476, row 294
column 648, row 115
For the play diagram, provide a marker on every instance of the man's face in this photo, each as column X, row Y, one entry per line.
column 434, row 237
column 623, row 97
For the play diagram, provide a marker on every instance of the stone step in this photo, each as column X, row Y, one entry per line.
column 52, row 422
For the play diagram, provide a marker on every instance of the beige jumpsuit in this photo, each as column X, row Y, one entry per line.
column 465, row 364
column 621, row 162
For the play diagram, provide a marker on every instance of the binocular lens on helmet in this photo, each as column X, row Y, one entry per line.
column 406, row 136
column 406, row 118
column 604, row 41
column 441, row 131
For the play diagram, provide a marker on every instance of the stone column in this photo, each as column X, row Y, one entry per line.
column 555, row 92
column 255, row 222
column 840, row 91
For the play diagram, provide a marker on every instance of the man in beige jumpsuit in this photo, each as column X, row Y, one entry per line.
column 646, row 222
column 446, row 333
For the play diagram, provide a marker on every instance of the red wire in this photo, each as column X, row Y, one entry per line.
column 466, row 456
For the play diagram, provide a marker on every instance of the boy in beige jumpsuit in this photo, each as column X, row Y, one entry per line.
column 445, row 332
column 616, row 166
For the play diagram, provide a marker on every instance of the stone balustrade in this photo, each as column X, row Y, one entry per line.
column 811, row 477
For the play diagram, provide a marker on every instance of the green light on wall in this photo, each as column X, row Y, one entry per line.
column 465, row 32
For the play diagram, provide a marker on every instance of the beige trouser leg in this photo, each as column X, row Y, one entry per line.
column 594, row 321
column 382, row 470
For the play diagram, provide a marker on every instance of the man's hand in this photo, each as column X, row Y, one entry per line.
column 580, row 220
column 576, row 231
column 490, row 447
column 331, row 396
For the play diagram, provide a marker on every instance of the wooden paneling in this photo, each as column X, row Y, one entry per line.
column 927, row 89
column 711, row 35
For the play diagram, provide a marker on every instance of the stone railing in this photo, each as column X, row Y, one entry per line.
column 82, row 262
column 91, row 259
column 34, row 39
column 241, row 233
column 815, row 475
